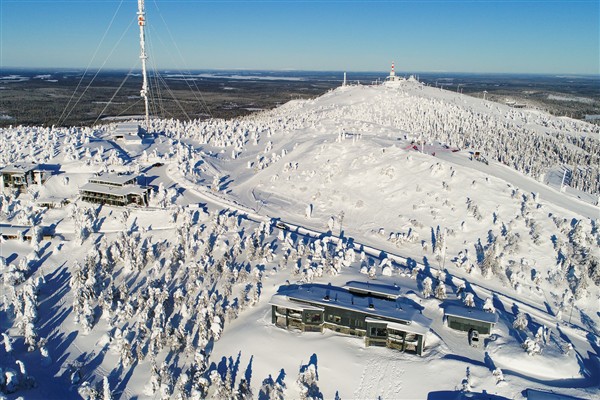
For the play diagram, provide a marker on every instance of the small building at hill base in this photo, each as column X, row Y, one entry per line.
column 467, row 318
column 23, row 233
column 381, row 321
column 115, row 190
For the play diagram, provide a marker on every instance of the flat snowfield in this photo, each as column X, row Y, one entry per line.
column 452, row 199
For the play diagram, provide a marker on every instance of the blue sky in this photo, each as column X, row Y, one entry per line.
column 446, row 35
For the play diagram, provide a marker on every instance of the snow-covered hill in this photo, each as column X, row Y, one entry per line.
column 404, row 184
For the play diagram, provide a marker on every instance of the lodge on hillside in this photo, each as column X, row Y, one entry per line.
column 20, row 176
column 376, row 312
column 115, row 190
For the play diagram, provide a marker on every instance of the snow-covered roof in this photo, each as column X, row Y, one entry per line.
column 114, row 190
column 334, row 296
column 420, row 328
column 18, row 168
column 373, row 288
column 112, row 179
column 12, row 230
column 471, row 313
column 283, row 301
column 127, row 128
column 128, row 131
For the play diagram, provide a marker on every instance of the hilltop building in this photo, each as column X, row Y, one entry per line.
column 392, row 77
column 127, row 132
column 115, row 190
column 373, row 311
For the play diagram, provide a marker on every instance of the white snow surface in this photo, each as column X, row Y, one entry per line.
column 396, row 195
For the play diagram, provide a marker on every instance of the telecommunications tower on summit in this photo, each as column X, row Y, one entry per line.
column 393, row 77
column 143, row 56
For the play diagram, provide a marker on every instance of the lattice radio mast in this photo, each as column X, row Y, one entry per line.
column 143, row 56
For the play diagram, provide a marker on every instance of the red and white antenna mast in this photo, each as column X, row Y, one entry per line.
column 392, row 72
column 143, row 56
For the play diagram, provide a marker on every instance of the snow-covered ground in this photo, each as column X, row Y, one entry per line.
column 403, row 184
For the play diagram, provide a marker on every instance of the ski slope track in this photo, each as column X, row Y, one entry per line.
column 440, row 194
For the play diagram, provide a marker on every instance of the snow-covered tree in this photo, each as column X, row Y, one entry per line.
column 308, row 211
column 308, row 383
column 520, row 322
column 531, row 347
column 440, row 291
column 106, row 393
column 498, row 375
column 217, row 383
column 489, row 305
column 244, row 391
column 7, row 341
column 469, row 300
column 466, row 382
column 427, row 287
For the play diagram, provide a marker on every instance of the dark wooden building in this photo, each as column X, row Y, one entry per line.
column 467, row 318
column 381, row 316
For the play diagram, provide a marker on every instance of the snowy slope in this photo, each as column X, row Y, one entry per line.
column 172, row 300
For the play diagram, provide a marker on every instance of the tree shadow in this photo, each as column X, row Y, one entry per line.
column 248, row 372
column 459, row 395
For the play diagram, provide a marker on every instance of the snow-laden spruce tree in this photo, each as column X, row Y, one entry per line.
column 309, row 210
column 271, row 390
column 308, row 380
column 31, row 336
column 220, row 391
column 488, row 306
column 491, row 261
column 26, row 381
column 439, row 244
column 440, row 291
column 498, row 375
column 243, row 391
column 469, row 300
column 531, row 347
column 106, row 393
column 427, row 287
column 520, row 322
column 466, row 382
column 182, row 386
column 7, row 341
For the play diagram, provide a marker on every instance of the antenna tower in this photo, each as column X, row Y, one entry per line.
column 143, row 56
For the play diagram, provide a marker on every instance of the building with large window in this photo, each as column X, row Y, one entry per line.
column 115, row 190
column 373, row 311
column 467, row 318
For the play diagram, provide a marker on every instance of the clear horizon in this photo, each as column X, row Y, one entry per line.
column 162, row 70
column 453, row 36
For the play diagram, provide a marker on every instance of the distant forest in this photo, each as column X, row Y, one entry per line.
column 68, row 98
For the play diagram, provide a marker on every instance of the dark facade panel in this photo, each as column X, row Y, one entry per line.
column 464, row 324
